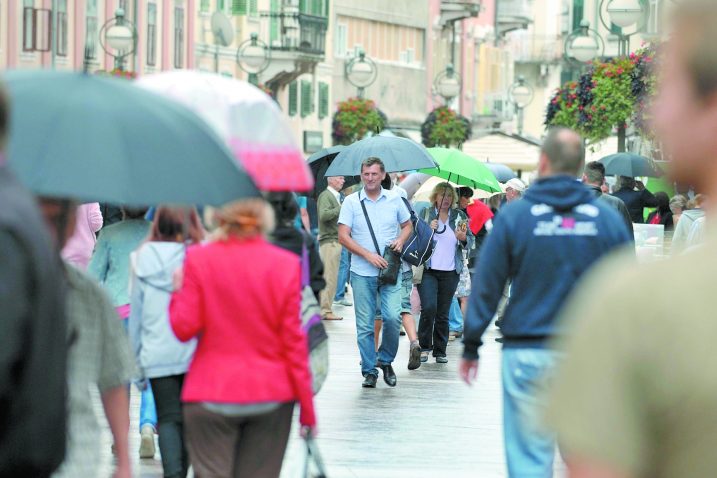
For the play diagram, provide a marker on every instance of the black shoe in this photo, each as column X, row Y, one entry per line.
column 369, row 381
column 389, row 376
column 414, row 360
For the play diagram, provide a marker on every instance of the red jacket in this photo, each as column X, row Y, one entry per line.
column 241, row 299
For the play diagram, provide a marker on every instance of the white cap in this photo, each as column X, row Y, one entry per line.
column 516, row 184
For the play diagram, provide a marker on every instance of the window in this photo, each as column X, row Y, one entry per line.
column 318, row 8
column 151, row 34
column 28, row 25
column 61, row 37
column 323, row 100
column 91, row 28
column 578, row 12
column 123, row 5
column 253, row 8
column 204, row 6
column 342, row 41
column 307, row 99
column 274, row 27
column 239, row 7
column 293, row 98
column 178, row 37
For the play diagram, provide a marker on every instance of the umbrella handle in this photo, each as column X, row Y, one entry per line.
column 442, row 231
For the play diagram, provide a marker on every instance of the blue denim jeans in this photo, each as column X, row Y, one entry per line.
column 344, row 266
column 147, row 408
column 366, row 292
column 455, row 316
column 529, row 449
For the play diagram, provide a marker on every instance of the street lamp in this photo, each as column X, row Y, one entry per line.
column 361, row 72
column 521, row 94
column 447, row 83
column 253, row 57
column 624, row 14
column 583, row 45
column 118, row 38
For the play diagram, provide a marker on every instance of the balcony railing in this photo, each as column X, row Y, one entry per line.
column 510, row 11
column 299, row 32
column 535, row 48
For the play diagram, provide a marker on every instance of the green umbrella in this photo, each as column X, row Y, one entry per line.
column 459, row 168
column 101, row 139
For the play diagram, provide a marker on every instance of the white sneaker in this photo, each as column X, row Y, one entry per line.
column 146, row 446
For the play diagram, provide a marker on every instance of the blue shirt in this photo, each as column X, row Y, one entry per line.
column 386, row 214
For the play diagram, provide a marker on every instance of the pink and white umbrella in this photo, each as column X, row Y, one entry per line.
column 249, row 121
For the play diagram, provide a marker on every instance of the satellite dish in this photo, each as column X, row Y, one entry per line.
column 222, row 29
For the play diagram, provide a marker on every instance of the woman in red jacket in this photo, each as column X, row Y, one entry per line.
column 240, row 297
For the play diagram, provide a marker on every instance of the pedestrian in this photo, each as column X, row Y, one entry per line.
column 110, row 267
column 239, row 296
column 634, row 395
column 385, row 212
column 35, row 333
column 99, row 359
column 442, row 271
column 514, row 189
column 79, row 248
column 288, row 237
column 687, row 219
column 161, row 358
column 594, row 178
column 636, row 197
column 662, row 215
column 543, row 244
column 329, row 207
column 678, row 204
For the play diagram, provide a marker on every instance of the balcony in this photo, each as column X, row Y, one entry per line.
column 454, row 10
column 535, row 49
column 514, row 15
column 299, row 32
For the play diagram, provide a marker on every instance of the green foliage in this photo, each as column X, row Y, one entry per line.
column 355, row 118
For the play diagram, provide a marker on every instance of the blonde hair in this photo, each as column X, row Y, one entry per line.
column 440, row 190
column 697, row 202
column 245, row 219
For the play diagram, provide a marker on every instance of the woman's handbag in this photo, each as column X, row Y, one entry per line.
column 389, row 275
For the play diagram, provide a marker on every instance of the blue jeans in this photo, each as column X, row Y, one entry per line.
column 366, row 291
column 529, row 449
column 455, row 316
column 147, row 408
column 343, row 275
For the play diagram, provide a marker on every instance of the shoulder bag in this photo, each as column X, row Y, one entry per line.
column 389, row 275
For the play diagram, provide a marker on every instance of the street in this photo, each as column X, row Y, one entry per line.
column 430, row 424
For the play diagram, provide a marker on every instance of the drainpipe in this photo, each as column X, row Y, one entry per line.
column 53, row 35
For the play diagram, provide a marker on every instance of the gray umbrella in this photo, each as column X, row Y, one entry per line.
column 502, row 172
column 397, row 154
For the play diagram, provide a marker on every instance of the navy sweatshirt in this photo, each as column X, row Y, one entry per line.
column 542, row 243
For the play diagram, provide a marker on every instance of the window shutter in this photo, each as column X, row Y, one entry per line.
column 323, row 100
column 204, row 6
column 306, row 98
column 274, row 22
column 239, row 7
column 293, row 98
column 253, row 8
column 303, row 7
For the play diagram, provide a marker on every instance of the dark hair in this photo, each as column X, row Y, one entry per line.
column 367, row 163
column 565, row 151
column 387, row 182
column 4, row 117
column 627, row 182
column 134, row 212
column 285, row 207
column 595, row 172
column 464, row 192
column 176, row 224
column 663, row 202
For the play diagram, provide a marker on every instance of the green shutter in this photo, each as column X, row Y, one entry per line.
column 220, row 5
column 239, row 7
column 253, row 8
column 578, row 12
column 323, row 100
column 274, row 22
column 307, row 99
column 303, row 6
column 293, row 97
column 316, row 8
column 204, row 6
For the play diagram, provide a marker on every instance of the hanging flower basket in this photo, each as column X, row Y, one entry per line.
column 355, row 118
column 444, row 127
column 117, row 73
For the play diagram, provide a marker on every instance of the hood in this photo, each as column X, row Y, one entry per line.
column 561, row 192
column 155, row 262
column 694, row 214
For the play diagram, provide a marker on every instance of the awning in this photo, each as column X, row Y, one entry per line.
column 515, row 152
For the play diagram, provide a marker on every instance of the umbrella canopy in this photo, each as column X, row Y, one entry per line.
column 319, row 163
column 424, row 192
column 501, row 172
column 461, row 169
column 248, row 120
column 629, row 164
column 397, row 154
column 103, row 139
column 413, row 183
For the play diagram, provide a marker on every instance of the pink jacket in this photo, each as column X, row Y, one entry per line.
column 78, row 250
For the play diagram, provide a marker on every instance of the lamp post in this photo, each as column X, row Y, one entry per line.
column 583, row 45
column 253, row 57
column 361, row 72
column 624, row 14
column 118, row 38
column 447, row 83
column 521, row 94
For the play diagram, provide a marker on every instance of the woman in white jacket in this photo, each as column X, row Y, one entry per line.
column 161, row 358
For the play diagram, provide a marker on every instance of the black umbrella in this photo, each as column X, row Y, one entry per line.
column 319, row 163
column 630, row 165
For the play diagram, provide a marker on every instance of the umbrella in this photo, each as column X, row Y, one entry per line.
column 413, row 182
column 424, row 192
column 629, row 164
column 502, row 172
column 103, row 139
column 248, row 120
column 397, row 154
column 319, row 162
column 458, row 167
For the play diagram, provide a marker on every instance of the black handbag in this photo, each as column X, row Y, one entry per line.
column 389, row 275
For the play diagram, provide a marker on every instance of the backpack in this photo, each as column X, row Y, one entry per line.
column 420, row 246
column 314, row 329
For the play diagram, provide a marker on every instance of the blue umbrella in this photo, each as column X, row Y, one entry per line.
column 103, row 139
column 397, row 154
column 502, row 172
column 631, row 165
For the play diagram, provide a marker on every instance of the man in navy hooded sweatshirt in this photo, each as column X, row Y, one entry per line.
column 543, row 244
